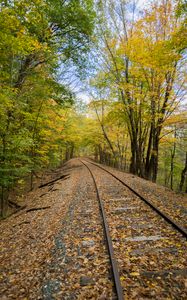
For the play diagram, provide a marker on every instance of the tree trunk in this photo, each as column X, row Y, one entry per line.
column 147, row 163
column 133, row 159
column 72, row 150
column 96, row 155
column 31, row 180
column 183, row 175
column 171, row 169
column 166, row 176
column 67, row 153
column 2, row 201
column 155, row 165
column 153, row 168
column 101, row 159
column 172, row 160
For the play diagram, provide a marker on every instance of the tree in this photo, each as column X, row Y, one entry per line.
column 40, row 36
column 183, row 175
column 143, row 61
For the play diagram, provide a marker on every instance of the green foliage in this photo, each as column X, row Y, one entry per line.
column 35, row 37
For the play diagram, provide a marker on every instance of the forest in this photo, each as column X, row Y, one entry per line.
column 104, row 78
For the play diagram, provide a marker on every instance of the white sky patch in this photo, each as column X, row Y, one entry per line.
column 84, row 96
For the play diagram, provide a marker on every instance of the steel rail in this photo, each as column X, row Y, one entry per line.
column 115, row 272
column 166, row 217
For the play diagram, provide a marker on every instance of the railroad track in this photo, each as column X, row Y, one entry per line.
column 115, row 272
column 130, row 254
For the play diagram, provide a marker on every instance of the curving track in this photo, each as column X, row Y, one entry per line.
column 135, row 268
column 167, row 218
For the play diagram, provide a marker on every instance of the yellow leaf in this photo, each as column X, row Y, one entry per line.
column 135, row 274
column 122, row 278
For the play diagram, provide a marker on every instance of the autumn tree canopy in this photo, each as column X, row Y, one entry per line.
column 36, row 38
column 133, row 58
column 143, row 60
